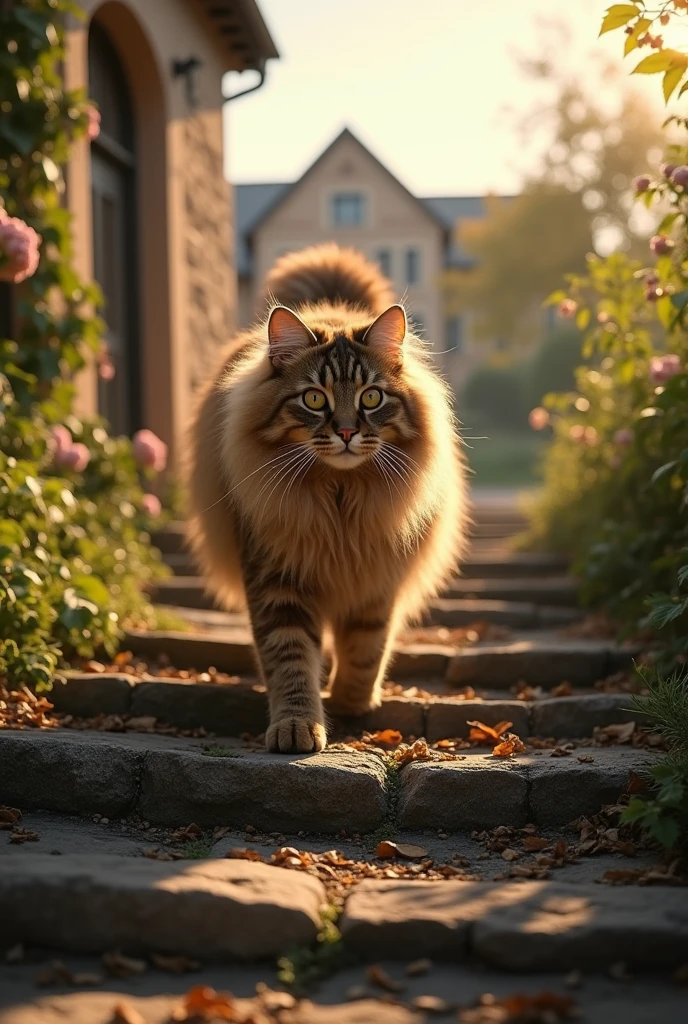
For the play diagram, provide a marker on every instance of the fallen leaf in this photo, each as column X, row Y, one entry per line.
column 175, row 964
column 533, row 843
column 58, row 973
column 273, row 1000
column 204, row 1003
column 481, row 733
column 93, row 667
column 511, row 744
column 9, row 815
column 391, row 737
column 432, row 1004
column 562, row 690
column 23, row 835
column 564, row 750
column 585, row 758
column 418, row 967
column 123, row 1013
column 615, row 733
column 540, row 1008
column 377, row 976
column 410, row 852
column 386, row 850
column 614, row 876
column 120, row 966
column 510, row 854
column 636, row 783
column 239, row 853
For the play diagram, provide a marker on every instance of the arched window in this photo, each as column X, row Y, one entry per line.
column 115, row 248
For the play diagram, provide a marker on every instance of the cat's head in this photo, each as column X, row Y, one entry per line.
column 340, row 388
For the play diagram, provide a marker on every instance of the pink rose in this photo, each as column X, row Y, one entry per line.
column 149, row 451
column 61, row 437
column 150, row 503
column 538, row 418
column 663, row 368
column 623, row 437
column 567, row 308
column 75, row 458
column 106, row 369
column 93, row 129
column 19, row 253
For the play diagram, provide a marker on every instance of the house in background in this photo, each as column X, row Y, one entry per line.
column 349, row 197
column 152, row 212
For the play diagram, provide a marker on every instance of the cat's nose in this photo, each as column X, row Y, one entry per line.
column 346, row 433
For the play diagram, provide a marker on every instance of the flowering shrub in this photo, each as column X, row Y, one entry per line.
column 18, row 249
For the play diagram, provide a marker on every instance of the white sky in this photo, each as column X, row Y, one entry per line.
column 426, row 84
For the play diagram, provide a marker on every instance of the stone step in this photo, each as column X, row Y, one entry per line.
column 519, row 926
column 547, row 590
column 233, row 709
column 484, row 564
column 217, row 909
column 171, row 781
column 537, row 658
column 191, row 592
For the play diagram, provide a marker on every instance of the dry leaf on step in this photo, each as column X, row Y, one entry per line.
column 377, row 976
column 481, row 733
column 123, row 1013
column 511, row 744
column 121, row 966
column 390, row 737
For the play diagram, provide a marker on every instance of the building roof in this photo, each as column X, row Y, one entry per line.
column 242, row 31
column 254, row 203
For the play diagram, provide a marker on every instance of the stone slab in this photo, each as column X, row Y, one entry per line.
column 62, row 773
column 524, row 926
column 446, row 719
column 454, row 613
column 548, row 590
column 577, row 716
column 537, row 661
column 478, row 792
column 563, row 788
column 214, row 909
column 225, row 709
column 87, row 694
column 184, row 591
column 512, row 564
column 406, row 714
column 420, row 661
column 185, row 650
column 322, row 792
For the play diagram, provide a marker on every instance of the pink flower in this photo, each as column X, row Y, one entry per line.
column 590, row 436
column 538, row 418
column 61, row 437
column 93, row 129
column 663, row 368
column 149, row 451
column 623, row 437
column 75, row 458
column 661, row 244
column 642, row 183
column 577, row 432
column 106, row 369
column 19, row 253
column 150, row 503
column 667, row 169
column 567, row 308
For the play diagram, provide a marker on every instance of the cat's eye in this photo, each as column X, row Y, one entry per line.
column 371, row 398
column 314, row 400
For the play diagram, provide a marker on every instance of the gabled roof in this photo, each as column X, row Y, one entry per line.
column 250, row 202
column 346, row 133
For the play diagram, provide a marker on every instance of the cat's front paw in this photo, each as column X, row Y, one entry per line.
column 295, row 735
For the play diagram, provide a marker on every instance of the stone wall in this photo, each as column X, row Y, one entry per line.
column 209, row 245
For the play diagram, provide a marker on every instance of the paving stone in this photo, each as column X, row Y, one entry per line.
column 322, row 792
column 511, row 564
column 563, row 788
column 214, row 909
column 479, row 792
column 554, row 926
column 454, row 613
column 446, row 718
column 225, row 709
column 556, row 590
column 62, row 773
column 577, row 716
column 87, row 694
column 184, row 591
column 171, row 539
column 405, row 714
column 420, row 661
column 518, row 926
column 539, row 662
column 185, row 650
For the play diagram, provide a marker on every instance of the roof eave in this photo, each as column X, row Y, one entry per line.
column 242, row 33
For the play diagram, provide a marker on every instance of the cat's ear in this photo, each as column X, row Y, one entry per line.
column 387, row 333
column 288, row 336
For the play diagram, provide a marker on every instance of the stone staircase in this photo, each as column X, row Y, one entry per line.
column 153, row 779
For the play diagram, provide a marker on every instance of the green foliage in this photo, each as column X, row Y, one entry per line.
column 305, row 967
column 493, row 396
column 55, row 310
column 552, row 367
column 639, row 20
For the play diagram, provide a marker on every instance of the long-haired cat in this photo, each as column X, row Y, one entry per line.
column 326, row 486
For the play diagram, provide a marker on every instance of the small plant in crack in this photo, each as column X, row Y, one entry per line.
column 389, row 827
column 303, row 968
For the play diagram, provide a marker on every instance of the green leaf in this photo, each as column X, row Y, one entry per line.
column 665, row 311
column 683, row 574
column 668, row 222
column 656, row 62
column 671, row 81
column 617, row 16
column 582, row 319
column 666, row 831
column 680, row 299
column 93, row 589
column 663, row 470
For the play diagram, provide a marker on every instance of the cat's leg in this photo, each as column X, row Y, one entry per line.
column 287, row 633
column 363, row 645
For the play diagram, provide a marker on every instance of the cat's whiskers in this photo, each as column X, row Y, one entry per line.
column 285, row 472
column 378, row 458
column 395, row 464
column 306, row 464
column 278, row 472
column 264, row 466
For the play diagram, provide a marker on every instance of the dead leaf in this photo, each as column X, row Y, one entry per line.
column 204, row 1003
column 120, row 966
column 23, row 835
column 390, row 737
column 386, row 850
column 615, row 733
column 564, row 750
column 540, row 1008
column 377, row 976
column 636, row 783
column 274, row 1000
column 123, row 1013
column 511, row 744
column 562, row 690
column 9, row 815
column 93, row 667
column 418, row 967
column 585, row 758
column 481, row 733
column 175, row 964
column 239, row 853
column 432, row 1004
column 57, row 973
column 510, row 854
column 533, row 843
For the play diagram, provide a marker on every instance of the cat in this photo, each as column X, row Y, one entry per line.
column 326, row 486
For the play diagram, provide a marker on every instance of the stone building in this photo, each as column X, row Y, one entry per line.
column 348, row 196
column 152, row 210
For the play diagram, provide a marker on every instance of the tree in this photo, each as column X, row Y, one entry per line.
column 579, row 201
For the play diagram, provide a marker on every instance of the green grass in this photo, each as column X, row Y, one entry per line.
column 501, row 459
column 198, row 849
